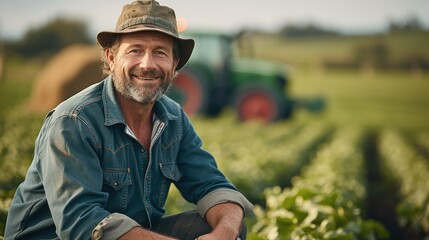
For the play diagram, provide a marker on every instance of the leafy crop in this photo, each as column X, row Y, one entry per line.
column 405, row 166
column 326, row 200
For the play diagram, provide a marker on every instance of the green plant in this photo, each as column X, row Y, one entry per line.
column 402, row 163
column 326, row 201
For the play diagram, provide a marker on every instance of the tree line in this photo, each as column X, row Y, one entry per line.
column 49, row 38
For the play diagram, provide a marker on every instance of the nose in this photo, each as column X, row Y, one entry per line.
column 147, row 61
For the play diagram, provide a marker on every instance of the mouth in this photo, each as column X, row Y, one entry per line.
column 146, row 78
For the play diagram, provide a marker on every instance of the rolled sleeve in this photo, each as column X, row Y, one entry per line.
column 224, row 195
column 113, row 226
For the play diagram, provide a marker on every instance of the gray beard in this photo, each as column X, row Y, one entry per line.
column 131, row 92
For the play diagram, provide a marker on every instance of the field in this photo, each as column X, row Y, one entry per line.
column 357, row 170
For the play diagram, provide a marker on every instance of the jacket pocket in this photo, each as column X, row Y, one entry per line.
column 116, row 178
column 170, row 171
column 117, row 183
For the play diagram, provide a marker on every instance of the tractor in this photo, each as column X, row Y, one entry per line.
column 214, row 79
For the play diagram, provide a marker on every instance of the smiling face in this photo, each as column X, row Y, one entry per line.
column 143, row 66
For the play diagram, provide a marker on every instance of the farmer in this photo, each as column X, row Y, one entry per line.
column 105, row 158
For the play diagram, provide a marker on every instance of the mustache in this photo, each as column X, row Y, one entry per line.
column 147, row 73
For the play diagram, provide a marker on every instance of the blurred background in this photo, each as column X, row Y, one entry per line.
column 307, row 69
column 325, row 48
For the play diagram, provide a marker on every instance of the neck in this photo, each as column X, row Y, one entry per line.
column 138, row 117
column 134, row 111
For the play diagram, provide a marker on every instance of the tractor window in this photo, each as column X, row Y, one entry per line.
column 211, row 49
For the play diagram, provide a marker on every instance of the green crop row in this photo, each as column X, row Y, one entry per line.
column 16, row 153
column 328, row 195
column 259, row 164
column 256, row 157
column 326, row 200
column 407, row 167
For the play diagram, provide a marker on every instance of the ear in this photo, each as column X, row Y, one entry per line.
column 110, row 57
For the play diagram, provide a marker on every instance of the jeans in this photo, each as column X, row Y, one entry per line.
column 188, row 226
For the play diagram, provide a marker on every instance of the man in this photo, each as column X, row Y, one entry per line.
column 105, row 158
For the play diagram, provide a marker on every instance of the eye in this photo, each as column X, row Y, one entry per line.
column 135, row 50
column 161, row 53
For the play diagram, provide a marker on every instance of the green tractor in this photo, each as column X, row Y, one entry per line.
column 214, row 79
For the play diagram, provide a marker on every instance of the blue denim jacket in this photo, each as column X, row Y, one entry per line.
column 86, row 167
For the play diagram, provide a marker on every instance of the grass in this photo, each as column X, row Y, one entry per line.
column 384, row 99
column 367, row 97
column 12, row 93
column 314, row 50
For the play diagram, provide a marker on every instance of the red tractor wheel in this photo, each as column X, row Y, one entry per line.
column 258, row 104
column 189, row 91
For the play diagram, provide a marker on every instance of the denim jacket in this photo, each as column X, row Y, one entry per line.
column 87, row 165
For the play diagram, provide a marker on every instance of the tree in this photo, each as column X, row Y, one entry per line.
column 410, row 24
column 52, row 37
column 308, row 30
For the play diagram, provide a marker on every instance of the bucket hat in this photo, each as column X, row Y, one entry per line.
column 148, row 15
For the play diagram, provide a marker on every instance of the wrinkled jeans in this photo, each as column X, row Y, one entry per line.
column 187, row 226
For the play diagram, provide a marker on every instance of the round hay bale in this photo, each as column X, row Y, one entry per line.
column 66, row 73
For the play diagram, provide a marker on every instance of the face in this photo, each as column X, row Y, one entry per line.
column 143, row 66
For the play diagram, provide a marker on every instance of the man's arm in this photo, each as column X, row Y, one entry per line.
column 226, row 220
column 119, row 226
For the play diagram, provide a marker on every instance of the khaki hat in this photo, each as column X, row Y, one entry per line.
column 148, row 15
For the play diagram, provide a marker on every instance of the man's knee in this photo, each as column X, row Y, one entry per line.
column 189, row 225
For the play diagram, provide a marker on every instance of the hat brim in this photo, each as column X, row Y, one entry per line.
column 105, row 39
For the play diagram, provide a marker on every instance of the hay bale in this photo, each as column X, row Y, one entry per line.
column 66, row 73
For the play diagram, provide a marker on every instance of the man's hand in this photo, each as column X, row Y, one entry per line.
column 226, row 220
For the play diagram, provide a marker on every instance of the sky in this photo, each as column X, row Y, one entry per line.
column 348, row 16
